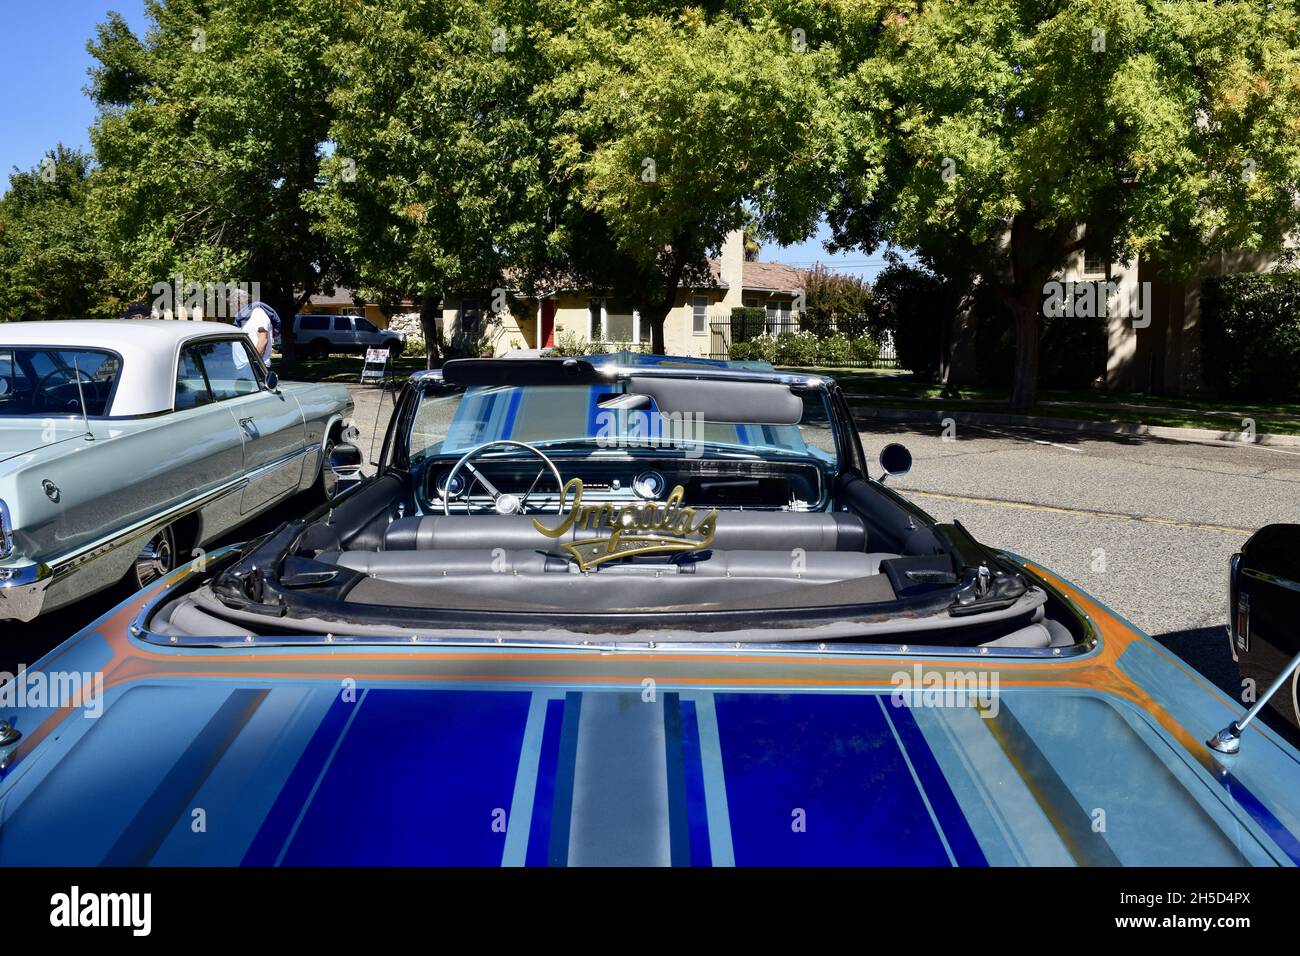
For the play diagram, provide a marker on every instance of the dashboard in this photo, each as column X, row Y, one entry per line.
column 706, row 482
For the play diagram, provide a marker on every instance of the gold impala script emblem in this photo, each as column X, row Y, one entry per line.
column 650, row 527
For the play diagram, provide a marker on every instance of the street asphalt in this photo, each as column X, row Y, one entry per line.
column 1145, row 525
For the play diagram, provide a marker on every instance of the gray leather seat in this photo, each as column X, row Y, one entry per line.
column 781, row 531
column 429, row 567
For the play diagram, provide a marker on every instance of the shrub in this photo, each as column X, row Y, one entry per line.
column 1250, row 335
column 744, row 352
column 835, row 350
column 864, row 350
column 747, row 323
column 795, row 348
column 916, row 305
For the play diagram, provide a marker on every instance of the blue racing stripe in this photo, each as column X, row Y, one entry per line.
column 539, row 829
column 562, row 813
column 266, row 846
column 818, row 780
column 961, row 840
column 697, row 814
column 424, row 778
column 679, row 837
column 1274, row 827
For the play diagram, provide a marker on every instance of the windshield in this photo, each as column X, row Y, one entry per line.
column 450, row 423
column 54, row 381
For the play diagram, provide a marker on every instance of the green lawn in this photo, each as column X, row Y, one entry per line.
column 343, row 368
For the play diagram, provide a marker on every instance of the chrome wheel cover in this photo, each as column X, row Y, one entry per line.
column 156, row 558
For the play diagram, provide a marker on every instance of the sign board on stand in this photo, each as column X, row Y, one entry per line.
column 375, row 367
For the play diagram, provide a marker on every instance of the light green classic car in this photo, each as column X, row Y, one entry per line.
column 125, row 445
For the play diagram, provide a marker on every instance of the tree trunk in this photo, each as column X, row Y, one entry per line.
column 285, row 307
column 1024, row 389
column 654, row 316
column 429, row 325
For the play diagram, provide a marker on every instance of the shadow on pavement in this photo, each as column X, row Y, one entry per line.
column 1206, row 649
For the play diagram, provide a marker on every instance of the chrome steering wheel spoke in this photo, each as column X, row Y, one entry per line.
column 503, row 503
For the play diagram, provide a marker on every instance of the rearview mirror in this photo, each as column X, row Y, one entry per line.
column 343, row 470
column 895, row 460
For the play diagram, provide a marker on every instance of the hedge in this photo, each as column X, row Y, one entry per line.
column 1250, row 335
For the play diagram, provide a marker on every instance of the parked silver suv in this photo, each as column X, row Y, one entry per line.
column 324, row 334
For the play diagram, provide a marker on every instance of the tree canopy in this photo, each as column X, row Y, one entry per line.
column 209, row 139
column 51, row 265
column 1017, row 132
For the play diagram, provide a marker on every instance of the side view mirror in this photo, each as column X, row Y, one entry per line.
column 272, row 381
column 895, row 460
column 343, row 470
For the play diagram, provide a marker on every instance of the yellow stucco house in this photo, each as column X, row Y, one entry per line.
column 514, row 322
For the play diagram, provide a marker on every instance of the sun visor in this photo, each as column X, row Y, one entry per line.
column 729, row 402
column 521, row 372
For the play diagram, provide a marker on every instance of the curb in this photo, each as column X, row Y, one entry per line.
column 1120, row 429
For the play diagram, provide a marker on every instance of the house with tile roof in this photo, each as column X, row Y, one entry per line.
column 695, row 326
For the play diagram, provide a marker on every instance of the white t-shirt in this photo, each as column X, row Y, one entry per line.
column 259, row 320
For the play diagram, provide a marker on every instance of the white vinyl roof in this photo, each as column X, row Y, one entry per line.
column 148, row 348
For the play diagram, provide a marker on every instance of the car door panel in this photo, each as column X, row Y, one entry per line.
column 130, row 473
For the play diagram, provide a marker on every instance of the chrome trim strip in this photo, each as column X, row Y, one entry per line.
column 1270, row 578
column 74, row 559
column 616, row 372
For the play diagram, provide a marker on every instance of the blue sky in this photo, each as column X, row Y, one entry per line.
column 43, row 63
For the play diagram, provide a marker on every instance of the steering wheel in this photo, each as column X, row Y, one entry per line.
column 503, row 503
column 44, row 399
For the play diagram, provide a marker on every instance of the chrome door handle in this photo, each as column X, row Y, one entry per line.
column 247, row 424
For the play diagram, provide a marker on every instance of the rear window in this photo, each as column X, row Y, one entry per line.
column 54, row 381
column 313, row 323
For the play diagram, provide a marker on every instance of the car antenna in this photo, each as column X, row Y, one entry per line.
column 81, row 393
column 1228, row 740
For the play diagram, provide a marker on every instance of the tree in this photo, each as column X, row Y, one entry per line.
column 440, row 177
column 836, row 302
column 1017, row 132
column 679, row 127
column 209, row 136
column 588, row 144
column 51, row 265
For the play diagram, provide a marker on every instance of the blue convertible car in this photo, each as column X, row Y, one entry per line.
column 628, row 611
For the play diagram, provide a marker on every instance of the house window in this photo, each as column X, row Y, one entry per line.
column 700, row 314
column 593, row 319
column 751, row 303
column 1094, row 265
